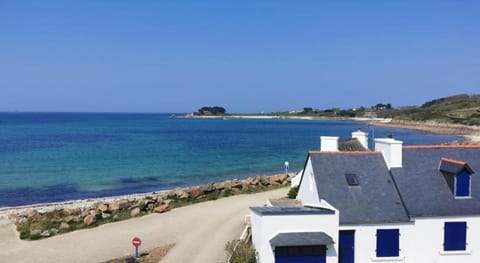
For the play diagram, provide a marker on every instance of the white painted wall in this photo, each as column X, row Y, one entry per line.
column 265, row 228
column 421, row 241
column 307, row 192
column 329, row 144
column 391, row 150
column 362, row 137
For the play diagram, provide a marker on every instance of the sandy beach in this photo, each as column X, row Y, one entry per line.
column 199, row 231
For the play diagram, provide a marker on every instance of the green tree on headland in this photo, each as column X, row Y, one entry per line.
column 216, row 110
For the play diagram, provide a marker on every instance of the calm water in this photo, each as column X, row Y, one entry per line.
column 47, row 157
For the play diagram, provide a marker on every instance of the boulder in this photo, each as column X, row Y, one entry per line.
column 64, row 226
column 31, row 212
column 54, row 231
column 35, row 232
column 102, row 207
column 256, row 180
column 236, row 184
column 195, row 192
column 279, row 178
column 264, row 181
column 106, row 215
column 182, row 194
column 90, row 219
column 219, row 186
column 135, row 212
column 249, row 181
column 14, row 218
column 69, row 219
column 45, row 233
column 167, row 201
column 161, row 208
column 118, row 205
column 74, row 211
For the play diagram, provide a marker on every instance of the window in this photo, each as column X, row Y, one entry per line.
column 388, row 242
column 352, row 179
column 462, row 184
column 455, row 236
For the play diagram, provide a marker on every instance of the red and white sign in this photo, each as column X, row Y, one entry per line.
column 136, row 242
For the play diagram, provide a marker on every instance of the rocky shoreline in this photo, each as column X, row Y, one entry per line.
column 45, row 220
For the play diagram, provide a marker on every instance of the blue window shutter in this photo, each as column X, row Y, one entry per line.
column 455, row 236
column 388, row 242
column 462, row 187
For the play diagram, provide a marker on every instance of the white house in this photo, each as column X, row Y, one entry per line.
column 412, row 204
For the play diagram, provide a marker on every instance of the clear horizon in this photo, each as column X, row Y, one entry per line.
column 248, row 56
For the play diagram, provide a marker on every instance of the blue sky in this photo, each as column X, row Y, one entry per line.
column 248, row 56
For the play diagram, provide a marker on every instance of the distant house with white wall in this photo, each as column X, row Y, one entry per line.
column 395, row 204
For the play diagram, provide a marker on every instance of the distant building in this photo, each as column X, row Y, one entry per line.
column 395, row 204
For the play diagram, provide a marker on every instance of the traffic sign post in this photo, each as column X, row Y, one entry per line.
column 136, row 242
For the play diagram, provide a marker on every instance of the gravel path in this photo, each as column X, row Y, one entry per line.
column 200, row 232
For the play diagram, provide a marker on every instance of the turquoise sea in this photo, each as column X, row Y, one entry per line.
column 47, row 157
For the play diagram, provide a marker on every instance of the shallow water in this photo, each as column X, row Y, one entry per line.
column 46, row 157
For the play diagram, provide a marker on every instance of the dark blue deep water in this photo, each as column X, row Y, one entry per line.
column 46, row 157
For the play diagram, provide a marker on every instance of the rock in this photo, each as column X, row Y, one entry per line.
column 118, row 205
column 249, row 181
column 135, row 212
column 23, row 220
column 106, row 215
column 208, row 188
column 150, row 206
column 182, row 194
column 35, row 232
column 102, row 207
column 195, row 192
column 92, row 212
column 64, row 226
column 31, row 212
column 256, row 181
column 167, row 201
column 54, row 231
column 219, row 186
column 74, row 211
column 264, row 181
column 90, row 219
column 161, row 208
column 278, row 178
column 236, row 184
column 69, row 219
column 45, row 233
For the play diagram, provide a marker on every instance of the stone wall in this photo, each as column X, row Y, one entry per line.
column 45, row 221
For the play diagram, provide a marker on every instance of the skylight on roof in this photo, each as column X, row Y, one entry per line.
column 352, row 179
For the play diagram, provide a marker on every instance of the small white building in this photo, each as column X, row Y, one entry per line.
column 414, row 204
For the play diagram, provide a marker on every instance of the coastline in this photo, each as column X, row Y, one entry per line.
column 471, row 134
column 14, row 214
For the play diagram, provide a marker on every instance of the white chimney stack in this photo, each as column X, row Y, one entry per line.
column 328, row 144
column 391, row 150
column 362, row 137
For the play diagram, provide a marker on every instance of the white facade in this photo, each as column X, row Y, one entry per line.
column 266, row 227
column 307, row 192
column 421, row 241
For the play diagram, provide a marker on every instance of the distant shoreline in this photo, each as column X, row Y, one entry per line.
column 268, row 116
column 471, row 134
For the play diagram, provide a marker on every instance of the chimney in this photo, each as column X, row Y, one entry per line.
column 362, row 137
column 328, row 144
column 391, row 150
